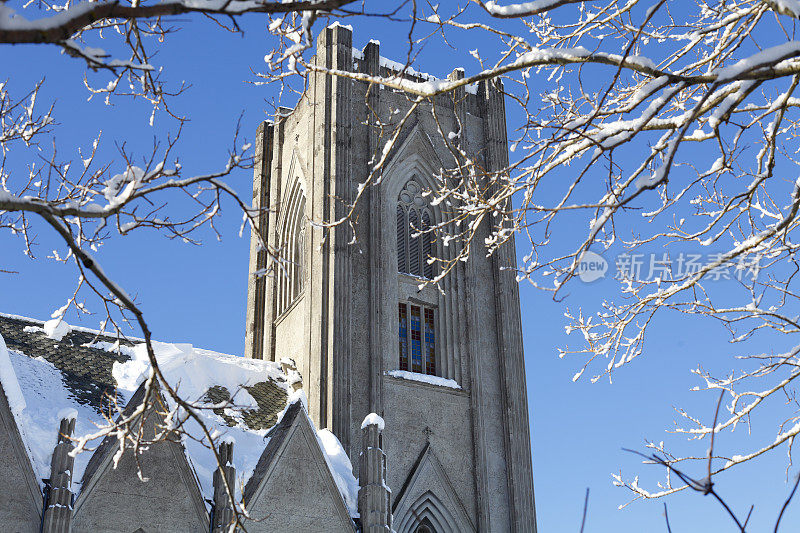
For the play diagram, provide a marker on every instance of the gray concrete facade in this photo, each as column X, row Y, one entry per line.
column 292, row 488
column 20, row 507
column 113, row 496
column 342, row 328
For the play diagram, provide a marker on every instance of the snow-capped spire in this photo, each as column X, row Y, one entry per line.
column 373, row 494
column 58, row 510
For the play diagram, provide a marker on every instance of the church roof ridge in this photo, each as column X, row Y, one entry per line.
column 81, row 373
column 83, row 329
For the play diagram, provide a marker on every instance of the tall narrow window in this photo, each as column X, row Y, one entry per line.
column 427, row 246
column 402, row 232
column 403, row 337
column 417, row 332
column 414, row 235
column 292, row 248
column 414, row 248
column 430, row 343
column 416, row 340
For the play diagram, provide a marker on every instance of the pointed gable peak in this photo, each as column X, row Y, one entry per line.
column 294, row 484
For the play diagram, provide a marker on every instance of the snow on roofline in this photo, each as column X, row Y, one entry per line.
column 44, row 398
column 112, row 335
column 396, row 65
column 67, row 413
column 407, row 69
column 74, row 328
column 336, row 24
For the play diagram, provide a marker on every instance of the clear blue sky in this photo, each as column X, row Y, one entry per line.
column 197, row 294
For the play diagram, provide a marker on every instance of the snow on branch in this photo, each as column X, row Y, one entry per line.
column 15, row 29
column 661, row 140
column 524, row 9
column 655, row 136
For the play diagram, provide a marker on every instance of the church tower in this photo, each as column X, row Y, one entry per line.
column 444, row 368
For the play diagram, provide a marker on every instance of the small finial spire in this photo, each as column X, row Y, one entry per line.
column 373, row 493
column 223, row 507
column 58, row 509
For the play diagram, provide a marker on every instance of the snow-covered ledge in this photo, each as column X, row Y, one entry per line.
column 424, row 378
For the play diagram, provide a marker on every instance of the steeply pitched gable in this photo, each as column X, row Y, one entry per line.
column 292, row 488
column 169, row 500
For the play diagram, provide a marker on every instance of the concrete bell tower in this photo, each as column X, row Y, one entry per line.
column 445, row 369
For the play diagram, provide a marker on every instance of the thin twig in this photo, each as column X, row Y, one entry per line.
column 585, row 507
column 713, row 432
column 786, row 503
column 666, row 518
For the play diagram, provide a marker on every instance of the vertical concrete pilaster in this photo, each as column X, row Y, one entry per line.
column 459, row 107
column 332, row 195
column 372, row 67
column 511, row 360
column 342, row 289
column 273, row 202
column 256, row 283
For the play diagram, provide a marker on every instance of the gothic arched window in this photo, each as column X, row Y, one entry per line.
column 292, row 246
column 416, row 320
column 414, row 235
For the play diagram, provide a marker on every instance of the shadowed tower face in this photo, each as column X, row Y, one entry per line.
column 444, row 368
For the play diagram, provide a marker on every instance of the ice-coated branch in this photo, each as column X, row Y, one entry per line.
column 522, row 9
column 62, row 26
column 636, row 129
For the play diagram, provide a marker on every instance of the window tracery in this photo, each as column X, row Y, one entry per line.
column 292, row 245
column 416, row 322
column 414, row 238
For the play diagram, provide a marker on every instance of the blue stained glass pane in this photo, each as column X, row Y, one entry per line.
column 403, row 322
column 416, row 339
column 430, row 343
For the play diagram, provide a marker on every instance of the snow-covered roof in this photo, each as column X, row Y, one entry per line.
column 46, row 379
